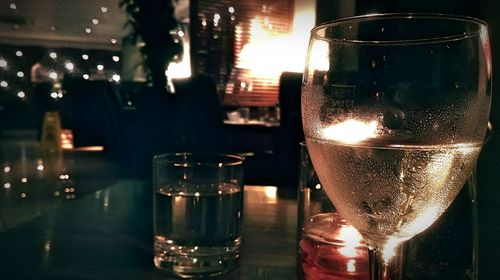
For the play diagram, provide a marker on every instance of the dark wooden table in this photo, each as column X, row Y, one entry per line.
column 108, row 235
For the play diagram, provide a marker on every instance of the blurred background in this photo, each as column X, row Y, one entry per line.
column 234, row 87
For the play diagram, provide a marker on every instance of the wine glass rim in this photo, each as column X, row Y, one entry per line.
column 481, row 24
column 185, row 159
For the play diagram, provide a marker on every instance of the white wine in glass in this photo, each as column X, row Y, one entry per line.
column 395, row 109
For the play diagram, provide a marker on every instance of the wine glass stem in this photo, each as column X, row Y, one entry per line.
column 379, row 270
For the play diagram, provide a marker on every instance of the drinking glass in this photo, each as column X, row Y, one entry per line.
column 395, row 109
column 198, row 204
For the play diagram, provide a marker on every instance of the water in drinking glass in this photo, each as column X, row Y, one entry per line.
column 199, row 222
column 392, row 193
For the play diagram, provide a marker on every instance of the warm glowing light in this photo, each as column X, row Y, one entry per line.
column 116, row 77
column 53, row 94
column 13, row 6
column 86, row 76
column 7, row 185
column 24, row 180
column 180, row 69
column 6, row 169
column 486, row 46
column 287, row 52
column 3, row 63
column 352, row 240
column 116, row 58
column 389, row 250
column 21, row 94
column 40, row 167
column 113, row 41
column 271, row 193
column 53, row 55
column 4, row 84
column 318, row 58
column 88, row 30
column 85, row 56
column 351, row 131
column 47, row 246
column 231, row 10
column 100, row 67
column 351, row 266
column 19, row 53
column 53, row 75
column 67, row 146
column 106, row 199
column 60, row 95
column 23, row 195
column 104, row 9
column 69, row 66
column 91, row 149
column 466, row 149
column 95, row 21
column 20, row 74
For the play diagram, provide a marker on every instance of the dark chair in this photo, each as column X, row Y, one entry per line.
column 147, row 129
column 290, row 133
column 92, row 119
column 199, row 115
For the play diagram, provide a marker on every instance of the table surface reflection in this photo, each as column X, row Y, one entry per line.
column 252, row 122
column 108, row 235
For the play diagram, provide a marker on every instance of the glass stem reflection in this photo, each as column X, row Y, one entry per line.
column 381, row 270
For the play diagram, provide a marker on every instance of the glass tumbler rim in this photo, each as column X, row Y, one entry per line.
column 192, row 159
column 481, row 27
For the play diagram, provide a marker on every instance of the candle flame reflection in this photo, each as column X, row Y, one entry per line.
column 389, row 250
column 271, row 193
column 351, row 266
column 351, row 131
column 352, row 240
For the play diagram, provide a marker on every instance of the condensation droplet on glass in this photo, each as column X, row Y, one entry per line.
column 374, row 64
column 431, row 51
column 350, row 27
column 456, row 85
column 382, row 29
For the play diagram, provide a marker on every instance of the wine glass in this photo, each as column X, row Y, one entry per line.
column 395, row 109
